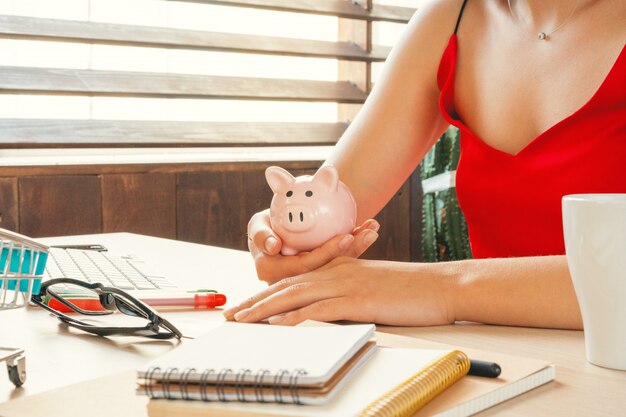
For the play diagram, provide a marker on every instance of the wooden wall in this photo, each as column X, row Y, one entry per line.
column 202, row 203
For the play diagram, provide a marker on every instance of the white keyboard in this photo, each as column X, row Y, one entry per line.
column 125, row 272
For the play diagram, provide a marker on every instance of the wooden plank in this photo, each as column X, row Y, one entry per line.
column 18, row 27
column 358, row 73
column 416, row 215
column 93, row 169
column 25, row 80
column 339, row 8
column 60, row 205
column 139, row 203
column 209, row 208
column 19, row 133
column 215, row 207
column 9, row 211
column 213, row 204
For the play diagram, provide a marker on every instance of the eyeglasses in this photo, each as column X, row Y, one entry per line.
column 105, row 301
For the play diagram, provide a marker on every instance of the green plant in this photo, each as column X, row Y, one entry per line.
column 444, row 234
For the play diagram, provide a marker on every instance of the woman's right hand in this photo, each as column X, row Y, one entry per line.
column 271, row 266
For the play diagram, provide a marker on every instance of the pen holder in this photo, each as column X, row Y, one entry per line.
column 22, row 264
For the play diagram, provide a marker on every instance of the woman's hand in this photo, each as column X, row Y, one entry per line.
column 271, row 266
column 383, row 292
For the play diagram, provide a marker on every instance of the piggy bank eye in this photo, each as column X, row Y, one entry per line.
column 309, row 193
column 289, row 193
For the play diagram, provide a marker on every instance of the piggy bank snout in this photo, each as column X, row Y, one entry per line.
column 297, row 218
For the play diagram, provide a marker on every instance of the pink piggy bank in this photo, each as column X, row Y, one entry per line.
column 309, row 210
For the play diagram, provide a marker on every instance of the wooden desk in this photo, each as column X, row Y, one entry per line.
column 57, row 357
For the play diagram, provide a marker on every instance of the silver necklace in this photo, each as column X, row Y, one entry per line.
column 543, row 36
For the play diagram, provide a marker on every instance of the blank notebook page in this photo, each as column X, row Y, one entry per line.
column 320, row 351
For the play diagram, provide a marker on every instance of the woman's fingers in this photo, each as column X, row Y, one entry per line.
column 290, row 298
column 230, row 313
column 365, row 236
column 362, row 242
column 280, row 286
column 261, row 234
column 330, row 309
column 265, row 245
column 273, row 268
column 330, row 250
column 369, row 224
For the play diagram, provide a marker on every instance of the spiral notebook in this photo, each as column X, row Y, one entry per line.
column 315, row 371
column 259, row 362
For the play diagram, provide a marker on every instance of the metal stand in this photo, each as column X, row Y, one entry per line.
column 16, row 364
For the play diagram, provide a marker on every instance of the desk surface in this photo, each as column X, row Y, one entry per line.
column 58, row 357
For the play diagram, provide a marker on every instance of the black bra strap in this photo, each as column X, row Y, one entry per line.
column 458, row 20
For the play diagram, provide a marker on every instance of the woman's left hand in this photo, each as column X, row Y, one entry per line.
column 392, row 293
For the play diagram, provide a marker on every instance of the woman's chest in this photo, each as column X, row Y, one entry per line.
column 509, row 98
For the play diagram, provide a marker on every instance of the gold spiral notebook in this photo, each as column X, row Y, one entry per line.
column 412, row 394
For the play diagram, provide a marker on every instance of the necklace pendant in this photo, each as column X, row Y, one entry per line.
column 542, row 36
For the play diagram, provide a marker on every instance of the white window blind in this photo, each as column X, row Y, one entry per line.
column 63, row 54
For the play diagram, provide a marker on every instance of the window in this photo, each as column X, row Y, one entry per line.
column 27, row 52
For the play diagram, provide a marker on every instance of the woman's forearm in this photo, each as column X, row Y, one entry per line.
column 533, row 291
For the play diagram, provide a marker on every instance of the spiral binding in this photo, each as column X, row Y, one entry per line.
column 419, row 389
column 240, row 385
column 149, row 375
column 167, row 379
column 184, row 382
column 258, row 385
column 284, row 384
column 203, row 383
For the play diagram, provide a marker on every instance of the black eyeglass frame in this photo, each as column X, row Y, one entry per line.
column 111, row 299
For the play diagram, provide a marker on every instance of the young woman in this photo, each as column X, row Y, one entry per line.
column 538, row 89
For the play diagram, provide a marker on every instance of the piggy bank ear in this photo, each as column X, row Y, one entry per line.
column 276, row 177
column 328, row 177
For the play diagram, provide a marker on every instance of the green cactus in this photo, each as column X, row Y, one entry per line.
column 429, row 237
column 444, row 235
column 454, row 136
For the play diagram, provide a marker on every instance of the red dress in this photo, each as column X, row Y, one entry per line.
column 512, row 203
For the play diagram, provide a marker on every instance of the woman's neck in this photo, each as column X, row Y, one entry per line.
column 545, row 14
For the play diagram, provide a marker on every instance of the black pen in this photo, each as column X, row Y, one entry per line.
column 484, row 368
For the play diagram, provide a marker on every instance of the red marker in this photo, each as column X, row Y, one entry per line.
column 203, row 300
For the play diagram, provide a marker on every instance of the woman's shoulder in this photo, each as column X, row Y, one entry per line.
column 430, row 28
column 436, row 20
column 441, row 15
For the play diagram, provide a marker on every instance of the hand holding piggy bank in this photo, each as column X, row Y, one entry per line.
column 309, row 210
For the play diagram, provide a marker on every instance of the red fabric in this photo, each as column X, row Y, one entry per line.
column 512, row 203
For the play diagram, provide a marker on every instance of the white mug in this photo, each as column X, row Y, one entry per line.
column 594, row 227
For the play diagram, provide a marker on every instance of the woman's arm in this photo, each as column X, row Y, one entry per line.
column 400, row 120
column 535, row 292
